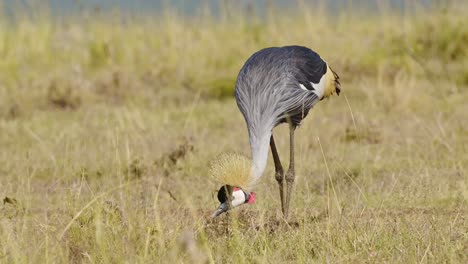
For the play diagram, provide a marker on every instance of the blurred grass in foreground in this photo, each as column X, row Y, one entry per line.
column 108, row 126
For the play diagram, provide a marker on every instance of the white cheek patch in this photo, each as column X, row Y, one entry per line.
column 319, row 87
column 303, row 87
column 238, row 198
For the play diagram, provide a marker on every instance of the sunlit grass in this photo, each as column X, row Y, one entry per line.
column 108, row 127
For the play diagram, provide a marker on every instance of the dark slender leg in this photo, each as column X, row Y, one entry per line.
column 290, row 174
column 279, row 173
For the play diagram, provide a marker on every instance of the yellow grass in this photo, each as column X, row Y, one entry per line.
column 108, row 127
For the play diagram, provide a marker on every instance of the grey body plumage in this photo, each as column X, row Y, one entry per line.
column 268, row 88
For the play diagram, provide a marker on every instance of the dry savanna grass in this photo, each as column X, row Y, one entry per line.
column 108, row 126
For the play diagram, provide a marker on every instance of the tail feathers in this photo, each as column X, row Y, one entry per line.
column 332, row 85
column 337, row 82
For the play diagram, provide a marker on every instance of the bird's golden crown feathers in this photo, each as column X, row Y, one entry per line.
column 232, row 169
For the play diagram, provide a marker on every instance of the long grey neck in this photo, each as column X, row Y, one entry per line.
column 259, row 144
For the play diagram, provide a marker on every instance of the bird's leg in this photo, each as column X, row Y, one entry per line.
column 279, row 173
column 290, row 174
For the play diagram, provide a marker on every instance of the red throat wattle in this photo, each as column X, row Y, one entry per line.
column 252, row 198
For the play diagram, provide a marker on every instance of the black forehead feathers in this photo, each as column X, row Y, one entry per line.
column 223, row 193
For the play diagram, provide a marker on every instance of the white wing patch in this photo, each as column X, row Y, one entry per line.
column 319, row 87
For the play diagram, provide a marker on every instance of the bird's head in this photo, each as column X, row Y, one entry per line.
column 230, row 197
column 234, row 172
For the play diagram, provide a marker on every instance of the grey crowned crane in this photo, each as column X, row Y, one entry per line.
column 276, row 85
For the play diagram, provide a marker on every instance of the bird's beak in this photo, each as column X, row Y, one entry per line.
column 221, row 209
